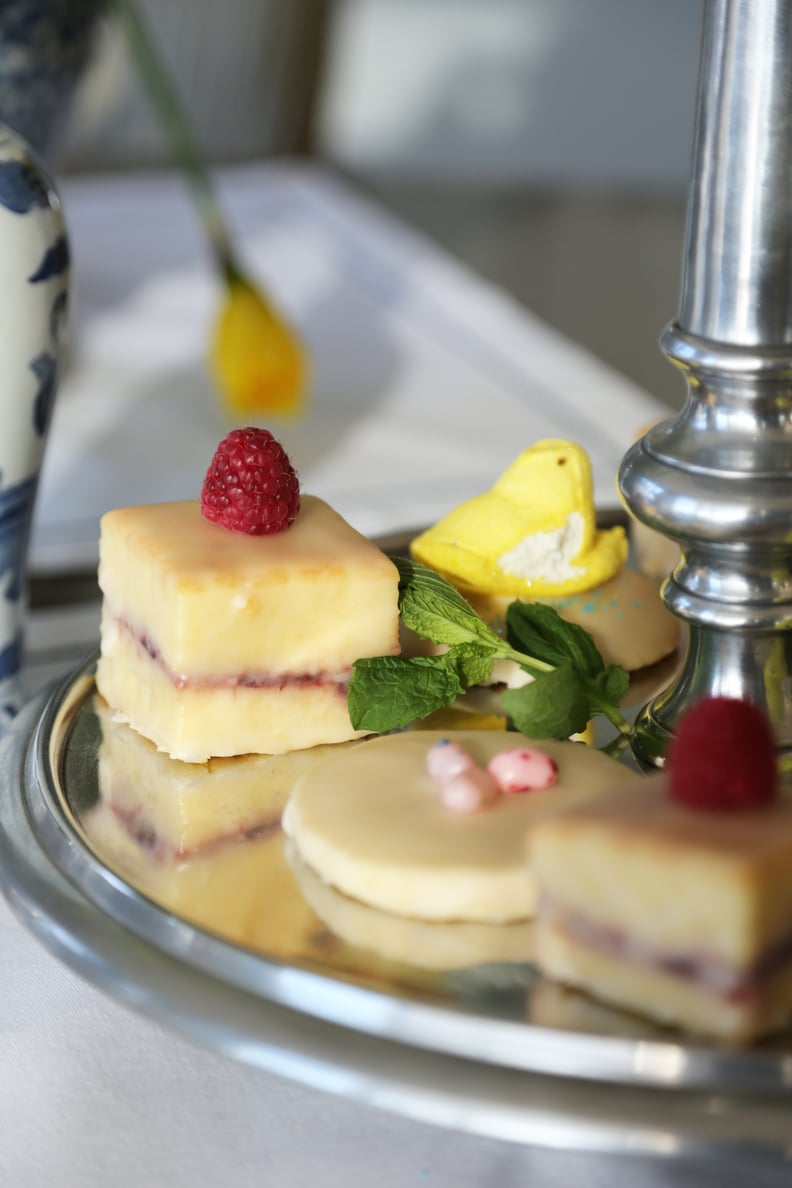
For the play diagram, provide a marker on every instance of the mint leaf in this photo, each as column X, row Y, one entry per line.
column 433, row 609
column 472, row 663
column 613, row 683
column 554, row 705
column 539, row 630
column 388, row 692
column 571, row 680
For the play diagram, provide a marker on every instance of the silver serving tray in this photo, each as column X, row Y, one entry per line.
column 485, row 1048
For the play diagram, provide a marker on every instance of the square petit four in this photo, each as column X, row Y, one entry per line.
column 218, row 643
column 672, row 905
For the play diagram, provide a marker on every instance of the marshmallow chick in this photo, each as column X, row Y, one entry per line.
column 533, row 535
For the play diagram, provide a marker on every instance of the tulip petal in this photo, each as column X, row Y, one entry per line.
column 258, row 361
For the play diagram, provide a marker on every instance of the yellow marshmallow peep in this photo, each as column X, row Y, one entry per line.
column 533, row 535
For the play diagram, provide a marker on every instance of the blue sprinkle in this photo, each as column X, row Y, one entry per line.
column 588, row 607
column 637, row 603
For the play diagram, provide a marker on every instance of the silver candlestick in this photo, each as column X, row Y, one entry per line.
column 718, row 477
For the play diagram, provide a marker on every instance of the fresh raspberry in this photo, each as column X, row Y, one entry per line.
column 723, row 756
column 251, row 486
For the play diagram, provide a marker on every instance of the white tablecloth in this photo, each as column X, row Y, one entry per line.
column 427, row 383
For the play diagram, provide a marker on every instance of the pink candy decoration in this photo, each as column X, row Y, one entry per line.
column 468, row 791
column 446, row 759
column 523, row 769
column 465, row 787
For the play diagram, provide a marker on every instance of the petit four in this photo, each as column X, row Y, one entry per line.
column 673, row 896
column 239, row 635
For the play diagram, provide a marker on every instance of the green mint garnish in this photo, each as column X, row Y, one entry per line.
column 389, row 692
column 571, row 681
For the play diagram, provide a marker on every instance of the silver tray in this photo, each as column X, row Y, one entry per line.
column 483, row 1046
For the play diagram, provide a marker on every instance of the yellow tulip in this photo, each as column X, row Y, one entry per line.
column 257, row 360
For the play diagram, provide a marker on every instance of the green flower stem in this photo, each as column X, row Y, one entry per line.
column 179, row 135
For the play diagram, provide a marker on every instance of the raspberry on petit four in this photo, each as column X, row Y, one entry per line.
column 672, row 897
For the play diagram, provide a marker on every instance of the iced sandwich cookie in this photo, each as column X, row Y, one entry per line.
column 376, row 825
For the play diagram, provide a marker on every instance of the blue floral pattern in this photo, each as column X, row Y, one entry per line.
column 25, row 192
column 54, row 262
column 22, row 188
column 44, row 367
column 15, row 507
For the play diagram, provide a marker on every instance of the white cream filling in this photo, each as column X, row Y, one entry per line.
column 547, row 555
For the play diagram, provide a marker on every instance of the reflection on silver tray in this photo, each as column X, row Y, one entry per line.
column 243, row 949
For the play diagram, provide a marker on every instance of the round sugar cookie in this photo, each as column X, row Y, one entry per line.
column 626, row 618
column 371, row 823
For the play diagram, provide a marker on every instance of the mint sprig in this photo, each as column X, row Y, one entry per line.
column 571, row 681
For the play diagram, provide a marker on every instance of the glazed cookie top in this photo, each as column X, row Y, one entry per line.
column 372, row 822
column 625, row 617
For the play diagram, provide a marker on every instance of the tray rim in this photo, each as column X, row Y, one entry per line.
column 657, row 1063
column 502, row 1103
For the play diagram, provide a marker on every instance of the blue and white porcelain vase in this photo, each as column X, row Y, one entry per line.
column 34, row 272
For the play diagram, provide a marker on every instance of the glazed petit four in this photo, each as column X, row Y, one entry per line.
column 231, row 634
column 672, row 896
column 384, row 825
column 534, row 536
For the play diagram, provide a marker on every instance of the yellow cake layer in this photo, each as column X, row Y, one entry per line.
column 185, row 807
column 194, row 723
column 210, row 602
column 675, row 879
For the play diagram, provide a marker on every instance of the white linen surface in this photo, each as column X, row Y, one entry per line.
column 427, row 383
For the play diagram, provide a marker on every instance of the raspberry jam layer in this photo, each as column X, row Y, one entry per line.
column 698, row 968
column 144, row 835
column 338, row 681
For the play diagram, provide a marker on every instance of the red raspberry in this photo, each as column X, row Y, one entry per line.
column 251, row 486
column 723, row 756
